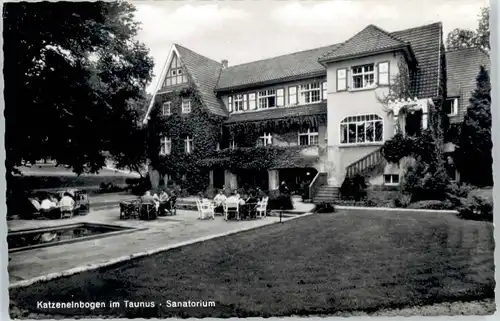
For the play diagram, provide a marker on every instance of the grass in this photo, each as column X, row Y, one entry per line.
column 322, row 264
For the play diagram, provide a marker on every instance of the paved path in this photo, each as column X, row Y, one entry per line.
column 161, row 232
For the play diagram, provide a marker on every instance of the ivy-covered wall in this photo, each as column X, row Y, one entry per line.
column 200, row 125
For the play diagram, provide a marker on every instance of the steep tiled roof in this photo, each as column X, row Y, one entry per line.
column 276, row 113
column 274, row 69
column 205, row 73
column 372, row 39
column 426, row 42
column 462, row 69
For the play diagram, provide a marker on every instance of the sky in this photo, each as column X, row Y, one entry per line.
column 244, row 31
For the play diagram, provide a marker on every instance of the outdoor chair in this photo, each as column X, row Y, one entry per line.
column 129, row 210
column 82, row 203
column 262, row 207
column 147, row 211
column 67, row 211
column 231, row 208
column 36, row 208
column 170, row 206
column 205, row 210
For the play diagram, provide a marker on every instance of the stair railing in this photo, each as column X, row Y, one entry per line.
column 318, row 181
column 366, row 163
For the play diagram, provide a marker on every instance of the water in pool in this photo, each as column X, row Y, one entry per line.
column 22, row 239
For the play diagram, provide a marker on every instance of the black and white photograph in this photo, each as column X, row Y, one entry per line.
column 235, row 159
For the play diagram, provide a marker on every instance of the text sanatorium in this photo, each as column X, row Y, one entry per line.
column 125, row 304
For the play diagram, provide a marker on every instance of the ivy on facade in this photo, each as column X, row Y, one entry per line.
column 260, row 158
column 199, row 125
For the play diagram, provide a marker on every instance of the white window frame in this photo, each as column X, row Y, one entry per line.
column 363, row 119
column 263, row 98
column 267, row 140
column 383, row 76
column 167, row 108
column 306, row 93
column 324, row 90
column 392, row 183
column 454, row 106
column 238, row 103
column 363, row 74
column 293, row 98
column 188, row 145
column 186, row 106
column 309, row 134
column 165, row 146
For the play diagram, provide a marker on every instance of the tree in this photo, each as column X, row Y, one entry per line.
column 464, row 38
column 474, row 152
column 73, row 72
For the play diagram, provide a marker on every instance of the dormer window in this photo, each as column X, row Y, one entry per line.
column 267, row 98
column 310, row 93
column 363, row 76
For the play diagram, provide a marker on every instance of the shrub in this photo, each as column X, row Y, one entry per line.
column 423, row 182
column 432, row 205
column 459, row 190
column 354, row 187
column 402, row 201
column 109, row 187
column 280, row 202
column 396, row 148
column 479, row 208
column 325, row 207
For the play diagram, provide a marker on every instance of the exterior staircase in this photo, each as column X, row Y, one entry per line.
column 326, row 194
column 371, row 164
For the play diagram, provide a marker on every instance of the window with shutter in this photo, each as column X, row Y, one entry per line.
column 292, row 95
column 245, row 102
column 325, row 90
column 251, row 101
column 230, row 103
column 341, row 79
column 280, row 97
column 383, row 73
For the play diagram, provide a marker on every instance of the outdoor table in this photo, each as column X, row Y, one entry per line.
column 147, row 211
column 129, row 209
column 248, row 210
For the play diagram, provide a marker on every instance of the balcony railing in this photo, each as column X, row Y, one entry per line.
column 366, row 164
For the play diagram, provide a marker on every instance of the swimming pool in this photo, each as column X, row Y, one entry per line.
column 23, row 240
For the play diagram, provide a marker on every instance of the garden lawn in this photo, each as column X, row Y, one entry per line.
column 320, row 264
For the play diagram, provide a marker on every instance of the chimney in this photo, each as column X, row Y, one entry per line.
column 224, row 63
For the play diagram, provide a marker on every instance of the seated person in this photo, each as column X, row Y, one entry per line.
column 235, row 197
column 219, row 200
column 49, row 206
column 147, row 198
column 67, row 203
column 252, row 201
column 164, row 196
